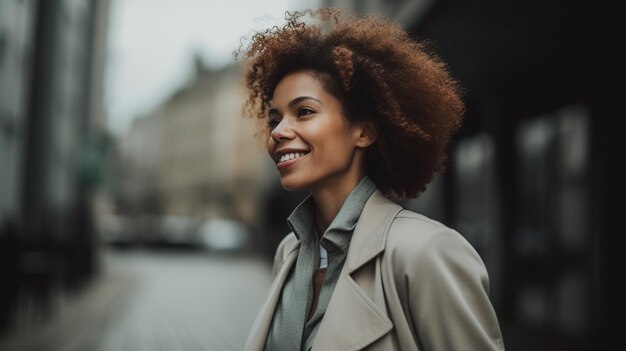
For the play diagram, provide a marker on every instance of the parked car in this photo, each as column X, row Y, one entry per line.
column 177, row 231
column 115, row 230
column 224, row 235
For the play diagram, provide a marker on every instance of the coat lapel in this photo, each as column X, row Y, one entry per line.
column 260, row 328
column 356, row 313
column 370, row 234
column 352, row 320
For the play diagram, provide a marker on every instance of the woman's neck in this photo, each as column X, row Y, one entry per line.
column 330, row 198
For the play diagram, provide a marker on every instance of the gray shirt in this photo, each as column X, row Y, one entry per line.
column 290, row 329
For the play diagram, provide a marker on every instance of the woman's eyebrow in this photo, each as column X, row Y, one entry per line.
column 302, row 98
column 293, row 102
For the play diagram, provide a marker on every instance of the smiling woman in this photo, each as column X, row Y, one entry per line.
column 312, row 142
column 358, row 113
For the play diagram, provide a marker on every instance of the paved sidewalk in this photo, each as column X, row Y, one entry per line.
column 77, row 320
column 150, row 301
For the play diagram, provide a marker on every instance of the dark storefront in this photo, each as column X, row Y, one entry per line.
column 535, row 181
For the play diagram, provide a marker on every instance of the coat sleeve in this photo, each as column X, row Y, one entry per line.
column 446, row 288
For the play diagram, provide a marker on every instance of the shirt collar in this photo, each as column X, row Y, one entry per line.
column 302, row 219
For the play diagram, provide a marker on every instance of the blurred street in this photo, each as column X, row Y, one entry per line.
column 120, row 123
column 156, row 300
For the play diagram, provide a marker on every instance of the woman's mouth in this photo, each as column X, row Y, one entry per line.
column 286, row 160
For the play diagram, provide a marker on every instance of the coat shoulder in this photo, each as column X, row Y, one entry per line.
column 441, row 283
column 410, row 228
column 420, row 219
column 415, row 236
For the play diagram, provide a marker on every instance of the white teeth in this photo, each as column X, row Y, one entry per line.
column 290, row 156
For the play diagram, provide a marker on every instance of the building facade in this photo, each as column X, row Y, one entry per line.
column 195, row 155
column 51, row 118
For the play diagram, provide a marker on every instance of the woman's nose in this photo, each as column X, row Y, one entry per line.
column 282, row 131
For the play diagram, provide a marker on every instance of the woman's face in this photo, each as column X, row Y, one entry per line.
column 311, row 142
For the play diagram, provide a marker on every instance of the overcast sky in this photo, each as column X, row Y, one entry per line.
column 152, row 44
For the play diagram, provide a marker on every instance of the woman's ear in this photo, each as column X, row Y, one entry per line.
column 367, row 133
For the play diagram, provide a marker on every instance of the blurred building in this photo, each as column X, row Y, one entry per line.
column 534, row 181
column 51, row 123
column 194, row 156
column 139, row 156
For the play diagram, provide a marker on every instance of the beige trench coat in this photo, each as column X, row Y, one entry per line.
column 408, row 283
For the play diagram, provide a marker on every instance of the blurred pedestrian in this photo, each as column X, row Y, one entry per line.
column 358, row 113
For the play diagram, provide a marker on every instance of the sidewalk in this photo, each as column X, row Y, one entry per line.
column 148, row 300
column 77, row 320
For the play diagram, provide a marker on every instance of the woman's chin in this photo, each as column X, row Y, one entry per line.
column 291, row 184
column 290, row 187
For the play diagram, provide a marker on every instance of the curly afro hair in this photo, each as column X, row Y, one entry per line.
column 382, row 77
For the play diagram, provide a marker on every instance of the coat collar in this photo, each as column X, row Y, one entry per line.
column 349, row 302
column 370, row 234
column 339, row 231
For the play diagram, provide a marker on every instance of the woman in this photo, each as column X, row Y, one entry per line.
column 358, row 113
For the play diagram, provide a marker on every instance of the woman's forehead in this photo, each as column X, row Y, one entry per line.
column 296, row 85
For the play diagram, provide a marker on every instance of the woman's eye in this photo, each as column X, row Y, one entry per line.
column 305, row 111
column 272, row 123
